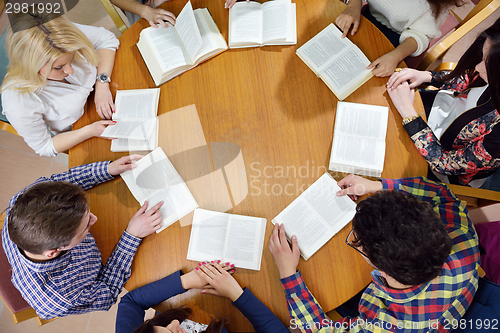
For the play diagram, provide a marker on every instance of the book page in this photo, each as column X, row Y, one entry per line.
column 345, row 71
column 210, row 35
column 138, row 103
column 168, row 47
column 208, row 235
column 188, row 32
column 154, row 174
column 335, row 211
column 138, row 129
column 245, row 23
column 315, row 219
column 358, row 152
column 323, row 47
column 275, row 17
column 245, row 240
column 364, row 120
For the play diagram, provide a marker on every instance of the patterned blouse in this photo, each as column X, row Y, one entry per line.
column 470, row 147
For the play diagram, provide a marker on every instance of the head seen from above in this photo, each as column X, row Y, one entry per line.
column 401, row 236
column 42, row 47
column 50, row 216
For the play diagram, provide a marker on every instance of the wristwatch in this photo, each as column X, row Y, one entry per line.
column 407, row 120
column 104, row 78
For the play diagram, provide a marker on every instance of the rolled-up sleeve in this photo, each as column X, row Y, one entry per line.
column 99, row 37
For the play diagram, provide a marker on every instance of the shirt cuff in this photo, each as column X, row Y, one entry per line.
column 100, row 171
column 293, row 284
column 415, row 126
column 244, row 297
column 128, row 243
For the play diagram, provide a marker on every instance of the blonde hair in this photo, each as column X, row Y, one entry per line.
column 34, row 40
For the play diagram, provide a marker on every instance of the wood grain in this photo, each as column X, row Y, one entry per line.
column 269, row 103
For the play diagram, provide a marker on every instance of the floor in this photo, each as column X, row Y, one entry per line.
column 21, row 166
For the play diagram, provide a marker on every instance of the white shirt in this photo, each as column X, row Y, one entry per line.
column 409, row 18
column 55, row 107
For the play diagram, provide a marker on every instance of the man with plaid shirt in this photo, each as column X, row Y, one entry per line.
column 418, row 237
column 56, row 265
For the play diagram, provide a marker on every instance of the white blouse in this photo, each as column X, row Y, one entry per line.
column 55, row 107
column 409, row 18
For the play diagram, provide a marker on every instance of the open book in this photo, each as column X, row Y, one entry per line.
column 338, row 62
column 359, row 139
column 154, row 180
column 316, row 215
column 235, row 238
column 254, row 24
column 136, row 125
column 171, row 51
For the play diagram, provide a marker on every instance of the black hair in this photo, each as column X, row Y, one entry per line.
column 402, row 236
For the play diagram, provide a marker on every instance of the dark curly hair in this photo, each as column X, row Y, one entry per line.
column 402, row 236
column 182, row 313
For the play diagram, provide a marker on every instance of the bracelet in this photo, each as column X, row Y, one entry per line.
column 407, row 120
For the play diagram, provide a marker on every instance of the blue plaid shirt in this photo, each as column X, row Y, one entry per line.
column 75, row 282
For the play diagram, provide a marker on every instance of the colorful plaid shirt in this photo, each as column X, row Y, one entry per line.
column 429, row 307
column 75, row 282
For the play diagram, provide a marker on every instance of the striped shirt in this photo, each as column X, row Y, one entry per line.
column 75, row 282
column 429, row 307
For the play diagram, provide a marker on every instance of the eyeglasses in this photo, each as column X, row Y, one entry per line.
column 354, row 247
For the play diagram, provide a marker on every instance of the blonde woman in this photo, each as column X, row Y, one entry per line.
column 53, row 66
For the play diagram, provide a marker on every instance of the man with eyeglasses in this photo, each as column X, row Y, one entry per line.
column 417, row 235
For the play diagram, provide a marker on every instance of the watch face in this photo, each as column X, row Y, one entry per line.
column 103, row 78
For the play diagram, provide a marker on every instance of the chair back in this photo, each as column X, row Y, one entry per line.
column 114, row 13
column 478, row 14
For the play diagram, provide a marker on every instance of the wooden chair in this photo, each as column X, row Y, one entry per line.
column 481, row 11
column 20, row 310
column 114, row 12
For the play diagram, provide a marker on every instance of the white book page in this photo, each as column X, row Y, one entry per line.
column 139, row 103
column 138, row 129
column 208, row 235
column 364, row 120
column 210, row 35
column 245, row 240
column 118, row 145
column 275, row 17
column 336, row 211
column 346, row 70
column 188, row 32
column 323, row 47
column 245, row 23
column 358, row 151
column 168, row 46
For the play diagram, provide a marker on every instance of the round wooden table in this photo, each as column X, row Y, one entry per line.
column 270, row 104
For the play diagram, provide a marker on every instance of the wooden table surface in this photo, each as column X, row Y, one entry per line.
column 269, row 103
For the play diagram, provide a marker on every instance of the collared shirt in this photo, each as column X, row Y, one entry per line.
column 57, row 105
column 416, row 309
column 75, row 282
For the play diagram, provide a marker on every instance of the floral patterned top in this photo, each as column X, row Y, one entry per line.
column 470, row 148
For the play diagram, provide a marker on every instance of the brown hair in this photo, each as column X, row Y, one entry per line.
column 437, row 6
column 47, row 216
column 181, row 314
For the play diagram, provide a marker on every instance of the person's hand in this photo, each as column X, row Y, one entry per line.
column 192, row 280
column 230, row 3
column 144, row 223
column 286, row 258
column 385, row 65
column 355, row 186
column 123, row 164
column 415, row 78
column 96, row 128
column 347, row 19
column 103, row 100
column 220, row 280
column 402, row 97
column 157, row 16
